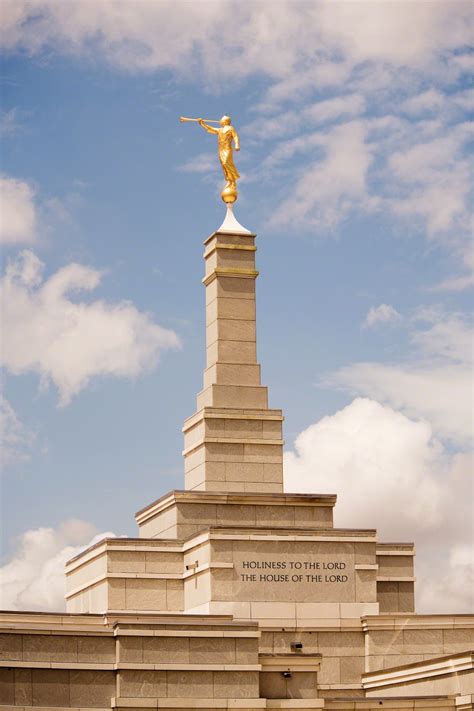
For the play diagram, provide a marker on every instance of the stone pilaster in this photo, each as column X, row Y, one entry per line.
column 234, row 441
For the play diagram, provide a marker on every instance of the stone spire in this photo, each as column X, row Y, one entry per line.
column 234, row 441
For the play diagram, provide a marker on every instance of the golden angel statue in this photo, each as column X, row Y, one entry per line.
column 226, row 136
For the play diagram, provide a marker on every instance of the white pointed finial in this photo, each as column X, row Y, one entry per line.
column 231, row 224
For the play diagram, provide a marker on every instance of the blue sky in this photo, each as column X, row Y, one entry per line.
column 355, row 130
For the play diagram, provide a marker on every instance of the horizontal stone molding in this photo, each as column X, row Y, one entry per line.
column 419, row 671
column 232, row 440
column 395, row 579
column 178, row 703
column 230, row 272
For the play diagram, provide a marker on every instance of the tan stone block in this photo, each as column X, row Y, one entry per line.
column 237, row 685
column 406, row 597
column 161, row 562
column 235, row 330
column 351, row 669
column 246, row 650
column 457, row 640
column 194, row 436
column 232, row 308
column 387, row 596
column 365, row 553
column 187, row 685
column 272, row 685
column 116, row 594
column 235, row 514
column 166, row 650
column 316, row 610
column 174, row 594
column 142, row 684
column 265, row 487
column 224, row 452
column 232, row 288
column 422, row 641
column 265, row 453
column 366, row 585
column 91, row 688
column 131, row 649
column 11, row 647
column 358, row 609
column 395, row 566
column 380, row 642
column 245, row 429
column 232, row 352
column 275, row 610
column 96, row 649
column 330, row 672
column 7, row 686
column 23, row 687
column 194, row 458
column 234, row 258
column 145, row 594
column 196, row 513
column 243, row 471
column 302, row 685
column 232, row 374
column 51, row 687
column 341, row 644
column 125, row 562
column 273, row 472
column 265, row 644
column 208, row 650
column 275, row 515
column 57, row 648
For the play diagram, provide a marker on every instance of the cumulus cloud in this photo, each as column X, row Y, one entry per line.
column 34, row 578
column 18, row 214
column 391, row 473
column 142, row 36
column 385, row 313
column 435, row 384
column 329, row 186
column 16, row 439
column 70, row 342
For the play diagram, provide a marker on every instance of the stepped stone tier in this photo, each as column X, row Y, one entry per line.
column 236, row 594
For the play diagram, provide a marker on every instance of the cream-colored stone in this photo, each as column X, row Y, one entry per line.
column 352, row 668
column 232, row 352
column 174, row 594
column 116, row 594
column 246, row 429
column 46, row 648
column 232, row 330
column 11, row 647
column 457, row 640
column 162, row 562
column 366, row 585
column 145, row 594
column 231, row 288
column 239, row 471
column 396, row 566
column 131, row 649
column 23, row 687
column 330, row 672
column 211, row 651
column 185, row 685
column 231, row 374
column 7, row 686
column 166, row 650
column 50, row 687
column 125, row 562
column 223, row 307
column 265, row 453
column 91, row 688
column 234, row 258
column 142, row 684
column 96, row 649
column 237, row 685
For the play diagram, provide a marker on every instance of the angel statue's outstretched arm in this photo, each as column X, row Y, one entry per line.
column 206, row 127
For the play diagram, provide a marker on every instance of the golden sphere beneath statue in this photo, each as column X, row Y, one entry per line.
column 229, row 194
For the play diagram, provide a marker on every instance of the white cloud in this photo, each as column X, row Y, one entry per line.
column 435, row 384
column 70, row 342
column 328, row 188
column 143, row 35
column 384, row 313
column 16, row 439
column 429, row 100
column 34, row 577
column 392, row 474
column 18, row 214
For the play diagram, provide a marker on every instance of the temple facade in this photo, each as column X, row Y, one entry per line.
column 236, row 594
